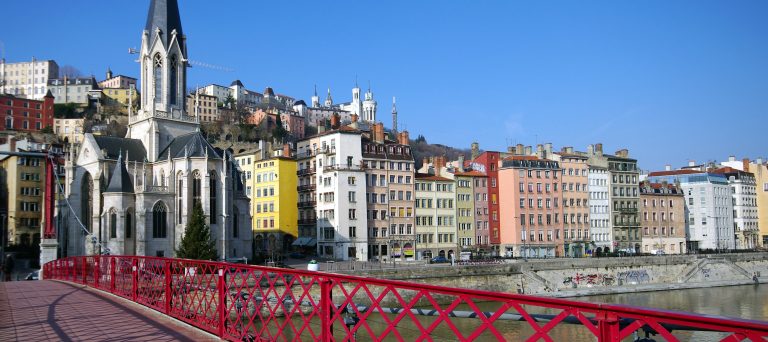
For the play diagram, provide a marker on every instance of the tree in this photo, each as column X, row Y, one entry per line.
column 279, row 132
column 197, row 243
column 69, row 71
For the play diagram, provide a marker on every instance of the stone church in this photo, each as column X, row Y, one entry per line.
column 135, row 194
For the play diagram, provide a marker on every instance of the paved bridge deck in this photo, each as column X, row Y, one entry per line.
column 56, row 311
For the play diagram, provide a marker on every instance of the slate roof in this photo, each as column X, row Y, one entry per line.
column 163, row 14
column 121, row 180
column 115, row 147
column 189, row 145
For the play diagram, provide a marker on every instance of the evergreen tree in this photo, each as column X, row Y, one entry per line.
column 197, row 243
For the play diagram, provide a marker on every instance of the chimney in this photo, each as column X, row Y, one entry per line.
column 287, row 150
column 404, row 138
column 590, row 149
column 548, row 149
column 528, row 151
column 425, row 162
column 519, row 149
column 461, row 162
column 335, row 121
column 475, row 150
column 624, row 153
column 599, row 149
column 540, row 151
column 745, row 164
column 691, row 163
column 731, row 158
column 13, row 144
column 378, row 133
column 667, row 167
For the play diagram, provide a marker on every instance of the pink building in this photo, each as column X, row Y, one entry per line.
column 530, row 196
column 294, row 124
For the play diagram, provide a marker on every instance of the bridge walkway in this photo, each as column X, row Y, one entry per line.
column 49, row 310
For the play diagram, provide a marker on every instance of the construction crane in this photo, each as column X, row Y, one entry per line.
column 192, row 63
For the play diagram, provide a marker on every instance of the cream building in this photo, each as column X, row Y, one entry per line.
column 27, row 79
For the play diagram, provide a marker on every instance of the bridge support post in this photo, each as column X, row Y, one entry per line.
column 168, row 294
column 96, row 273
column 135, row 279
column 607, row 326
column 112, row 273
column 85, row 272
column 222, row 302
column 326, row 305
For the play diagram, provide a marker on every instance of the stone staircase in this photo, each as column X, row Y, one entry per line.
column 532, row 276
column 692, row 269
column 737, row 268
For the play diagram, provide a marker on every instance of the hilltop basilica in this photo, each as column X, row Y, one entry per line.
column 134, row 195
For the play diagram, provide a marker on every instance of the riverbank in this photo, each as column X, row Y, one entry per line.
column 639, row 288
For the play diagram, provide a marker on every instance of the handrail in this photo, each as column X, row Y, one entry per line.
column 244, row 302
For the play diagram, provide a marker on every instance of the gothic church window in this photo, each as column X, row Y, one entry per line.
column 174, row 79
column 112, row 224
column 159, row 222
column 158, row 78
column 212, row 197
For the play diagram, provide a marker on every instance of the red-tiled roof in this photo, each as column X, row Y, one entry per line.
column 471, row 174
column 522, row 158
column 674, row 172
column 426, row 176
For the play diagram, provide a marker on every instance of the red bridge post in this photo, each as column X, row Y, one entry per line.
column 607, row 326
column 222, row 302
column 168, row 279
column 135, row 279
column 326, row 303
column 112, row 273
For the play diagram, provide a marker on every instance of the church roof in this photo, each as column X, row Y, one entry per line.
column 163, row 14
column 114, row 147
column 189, row 145
column 121, row 180
column 237, row 83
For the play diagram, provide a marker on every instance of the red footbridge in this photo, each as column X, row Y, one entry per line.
column 253, row 303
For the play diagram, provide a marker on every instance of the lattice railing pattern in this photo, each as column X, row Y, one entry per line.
column 250, row 303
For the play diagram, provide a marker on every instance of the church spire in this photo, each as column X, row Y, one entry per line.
column 163, row 15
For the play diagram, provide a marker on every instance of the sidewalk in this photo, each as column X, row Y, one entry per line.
column 56, row 311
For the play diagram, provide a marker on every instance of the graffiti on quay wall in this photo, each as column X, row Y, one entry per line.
column 705, row 272
column 634, row 277
column 589, row 279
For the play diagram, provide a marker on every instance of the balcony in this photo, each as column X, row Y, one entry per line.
column 309, row 187
column 309, row 221
column 305, row 172
column 327, row 150
column 307, row 204
column 342, row 167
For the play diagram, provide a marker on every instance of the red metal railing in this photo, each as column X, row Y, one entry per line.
column 242, row 302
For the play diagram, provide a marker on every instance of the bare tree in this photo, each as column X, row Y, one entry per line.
column 69, row 71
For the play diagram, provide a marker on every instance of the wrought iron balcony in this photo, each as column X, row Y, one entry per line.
column 309, row 187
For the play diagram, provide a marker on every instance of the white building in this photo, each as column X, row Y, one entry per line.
column 599, row 207
column 708, row 207
column 27, row 79
column 744, row 196
column 73, row 90
column 341, row 227
column 135, row 195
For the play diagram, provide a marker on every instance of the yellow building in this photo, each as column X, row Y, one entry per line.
column 22, row 179
column 760, row 170
column 270, row 183
column 118, row 97
column 69, row 130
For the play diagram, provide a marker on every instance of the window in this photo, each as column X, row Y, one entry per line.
column 158, row 79
column 159, row 222
column 352, row 214
column 112, row 224
column 128, row 226
column 212, row 196
column 174, row 80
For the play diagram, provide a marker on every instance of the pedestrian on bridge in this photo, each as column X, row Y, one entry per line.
column 8, row 267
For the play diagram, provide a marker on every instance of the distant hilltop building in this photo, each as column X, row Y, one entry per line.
column 365, row 109
column 27, row 79
column 134, row 195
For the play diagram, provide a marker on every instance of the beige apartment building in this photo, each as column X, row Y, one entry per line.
column 663, row 218
column 575, row 173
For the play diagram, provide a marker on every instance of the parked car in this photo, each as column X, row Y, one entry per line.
column 438, row 260
column 297, row 255
column 35, row 275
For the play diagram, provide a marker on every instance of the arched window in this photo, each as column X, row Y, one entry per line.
column 196, row 187
column 128, row 225
column 159, row 222
column 86, row 200
column 212, row 196
column 180, row 193
column 174, row 79
column 158, row 78
column 235, row 223
column 112, row 224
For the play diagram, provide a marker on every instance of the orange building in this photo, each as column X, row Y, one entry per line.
column 530, row 196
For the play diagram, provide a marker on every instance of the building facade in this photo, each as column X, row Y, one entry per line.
column 22, row 181
column 744, row 197
column 575, row 193
column 530, row 204
column 73, row 90
column 20, row 114
column 389, row 180
column 488, row 163
column 708, row 208
column 625, row 199
column 69, row 130
column 120, row 98
column 203, row 106
column 663, row 218
column 27, row 79
column 435, row 217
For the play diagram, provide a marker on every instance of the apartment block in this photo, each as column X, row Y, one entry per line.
column 21, row 114
column 436, row 233
column 663, row 218
column 27, row 80
column 575, row 194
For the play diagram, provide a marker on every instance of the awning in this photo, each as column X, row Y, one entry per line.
column 304, row 241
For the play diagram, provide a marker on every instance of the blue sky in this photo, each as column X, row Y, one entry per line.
column 670, row 80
